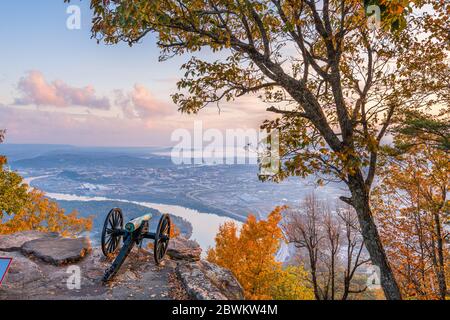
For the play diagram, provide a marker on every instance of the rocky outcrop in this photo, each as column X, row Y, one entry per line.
column 13, row 242
column 57, row 251
column 47, row 266
column 184, row 249
column 202, row 280
column 22, row 271
column 206, row 281
column 224, row 280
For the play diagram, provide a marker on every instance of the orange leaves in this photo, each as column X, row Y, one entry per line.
column 392, row 12
column 395, row 7
column 174, row 231
column 410, row 205
column 250, row 255
column 40, row 213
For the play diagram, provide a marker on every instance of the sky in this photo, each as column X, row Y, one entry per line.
column 58, row 86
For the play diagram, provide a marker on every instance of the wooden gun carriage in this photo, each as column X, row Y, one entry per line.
column 135, row 232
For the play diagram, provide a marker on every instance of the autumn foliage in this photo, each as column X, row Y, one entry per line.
column 42, row 214
column 412, row 209
column 335, row 83
column 250, row 254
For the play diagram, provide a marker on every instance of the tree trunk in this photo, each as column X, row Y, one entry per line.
column 372, row 241
column 441, row 263
column 314, row 281
column 346, row 288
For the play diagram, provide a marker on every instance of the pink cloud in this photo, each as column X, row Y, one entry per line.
column 39, row 126
column 48, row 126
column 141, row 103
column 36, row 90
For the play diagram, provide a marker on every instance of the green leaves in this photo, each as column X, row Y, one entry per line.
column 426, row 129
column 13, row 192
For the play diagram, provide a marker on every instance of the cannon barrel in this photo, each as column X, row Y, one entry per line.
column 134, row 224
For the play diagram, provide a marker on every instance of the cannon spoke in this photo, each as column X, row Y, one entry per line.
column 109, row 247
column 166, row 228
column 112, row 220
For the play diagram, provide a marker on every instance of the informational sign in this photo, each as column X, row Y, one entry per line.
column 4, row 266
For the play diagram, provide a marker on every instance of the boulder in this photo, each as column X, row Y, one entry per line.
column 183, row 249
column 13, row 242
column 203, row 280
column 57, row 251
column 224, row 280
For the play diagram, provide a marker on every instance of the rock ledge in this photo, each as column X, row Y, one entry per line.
column 13, row 242
column 207, row 281
column 57, row 251
column 183, row 249
column 41, row 261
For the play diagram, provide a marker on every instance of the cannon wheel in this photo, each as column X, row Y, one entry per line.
column 162, row 237
column 110, row 236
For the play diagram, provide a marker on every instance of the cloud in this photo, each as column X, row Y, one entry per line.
column 141, row 103
column 138, row 117
column 36, row 90
column 44, row 126
column 28, row 125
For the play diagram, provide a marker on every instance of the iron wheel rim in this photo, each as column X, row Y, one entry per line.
column 162, row 238
column 110, row 239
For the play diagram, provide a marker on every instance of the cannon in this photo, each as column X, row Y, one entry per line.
column 134, row 232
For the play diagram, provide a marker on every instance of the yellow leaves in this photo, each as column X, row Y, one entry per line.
column 372, row 143
column 40, row 213
column 349, row 160
column 13, row 192
column 250, row 255
column 286, row 285
column 408, row 203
